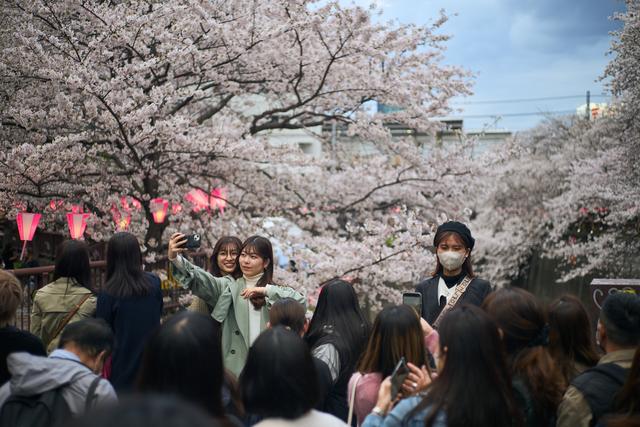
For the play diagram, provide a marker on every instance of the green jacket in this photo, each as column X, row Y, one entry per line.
column 232, row 310
column 53, row 303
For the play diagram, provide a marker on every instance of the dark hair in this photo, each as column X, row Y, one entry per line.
column 10, row 296
column 466, row 266
column 184, row 357
column 92, row 336
column 279, row 379
column 260, row 246
column 289, row 313
column 225, row 242
column 396, row 333
column 627, row 403
column 148, row 409
column 73, row 262
column 338, row 320
column 125, row 277
column 524, row 326
column 570, row 335
column 474, row 383
column 620, row 316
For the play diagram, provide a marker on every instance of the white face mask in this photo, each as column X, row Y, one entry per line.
column 451, row 260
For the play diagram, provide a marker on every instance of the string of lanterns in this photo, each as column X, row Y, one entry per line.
column 77, row 220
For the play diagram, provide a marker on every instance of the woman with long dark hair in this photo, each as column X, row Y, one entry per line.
column 337, row 335
column 473, row 386
column 396, row 333
column 224, row 262
column 453, row 280
column 69, row 298
column 571, row 341
column 242, row 304
column 537, row 380
column 131, row 303
column 279, row 384
column 184, row 358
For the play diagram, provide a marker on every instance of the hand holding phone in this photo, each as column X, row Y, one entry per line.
column 193, row 241
column 400, row 373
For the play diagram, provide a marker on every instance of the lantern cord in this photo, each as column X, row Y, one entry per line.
column 24, row 246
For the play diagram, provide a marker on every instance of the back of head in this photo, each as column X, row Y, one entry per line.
column 279, row 377
column 147, row 410
column 475, row 374
column 289, row 313
column 525, row 335
column 620, row 316
column 396, row 333
column 91, row 336
column 125, row 277
column 73, row 262
column 10, row 297
column 338, row 319
column 570, row 334
column 184, row 357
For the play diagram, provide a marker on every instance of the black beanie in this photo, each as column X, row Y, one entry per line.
column 460, row 229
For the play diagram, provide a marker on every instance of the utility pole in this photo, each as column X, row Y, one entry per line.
column 588, row 105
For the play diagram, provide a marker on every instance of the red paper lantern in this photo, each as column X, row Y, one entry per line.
column 77, row 224
column 219, row 199
column 198, row 198
column 158, row 208
column 27, row 224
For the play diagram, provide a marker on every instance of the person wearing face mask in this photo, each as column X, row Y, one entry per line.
column 453, row 282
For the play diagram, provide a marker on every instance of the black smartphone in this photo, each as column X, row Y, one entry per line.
column 400, row 373
column 193, row 241
column 413, row 299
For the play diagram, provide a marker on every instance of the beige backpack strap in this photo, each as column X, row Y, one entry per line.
column 462, row 286
column 352, row 400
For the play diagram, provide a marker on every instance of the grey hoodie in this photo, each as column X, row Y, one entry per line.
column 32, row 375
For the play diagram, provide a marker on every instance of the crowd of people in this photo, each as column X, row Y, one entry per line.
column 246, row 352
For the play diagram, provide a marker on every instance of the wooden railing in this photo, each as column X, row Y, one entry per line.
column 34, row 278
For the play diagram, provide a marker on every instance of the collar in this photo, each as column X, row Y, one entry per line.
column 619, row 356
column 60, row 353
column 252, row 280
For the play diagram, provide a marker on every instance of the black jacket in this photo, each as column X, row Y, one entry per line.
column 475, row 294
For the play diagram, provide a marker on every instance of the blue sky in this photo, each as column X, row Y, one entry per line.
column 519, row 49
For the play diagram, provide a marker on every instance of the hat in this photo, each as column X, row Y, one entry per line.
column 459, row 228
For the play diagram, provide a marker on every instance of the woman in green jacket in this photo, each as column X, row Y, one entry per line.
column 241, row 305
column 67, row 299
column 224, row 262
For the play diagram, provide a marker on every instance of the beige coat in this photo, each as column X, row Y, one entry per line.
column 53, row 303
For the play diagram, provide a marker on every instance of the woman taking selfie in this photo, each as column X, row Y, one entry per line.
column 224, row 262
column 453, row 282
column 241, row 305
column 131, row 303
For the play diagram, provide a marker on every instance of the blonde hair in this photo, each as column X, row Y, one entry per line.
column 10, row 296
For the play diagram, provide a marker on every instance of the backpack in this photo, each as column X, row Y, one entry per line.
column 47, row 409
column 599, row 386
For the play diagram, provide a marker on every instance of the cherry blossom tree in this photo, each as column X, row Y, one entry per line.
column 571, row 188
column 109, row 105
